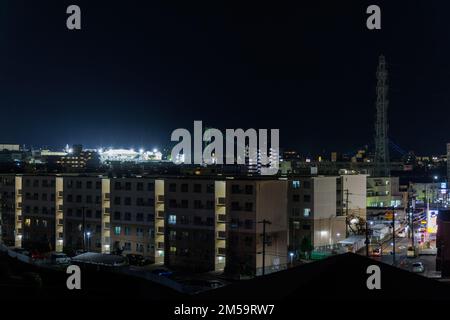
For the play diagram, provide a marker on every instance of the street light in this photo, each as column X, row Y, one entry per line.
column 89, row 240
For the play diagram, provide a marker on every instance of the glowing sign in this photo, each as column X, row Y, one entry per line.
column 431, row 221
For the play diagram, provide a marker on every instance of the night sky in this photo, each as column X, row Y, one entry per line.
column 135, row 72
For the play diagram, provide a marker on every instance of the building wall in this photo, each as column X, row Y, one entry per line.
column 7, row 208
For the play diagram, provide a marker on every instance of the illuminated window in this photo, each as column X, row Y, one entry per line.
column 173, row 249
column 117, row 230
column 172, row 219
column 295, row 184
column 27, row 222
column 306, row 212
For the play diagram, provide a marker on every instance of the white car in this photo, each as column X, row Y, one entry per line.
column 417, row 267
column 59, row 258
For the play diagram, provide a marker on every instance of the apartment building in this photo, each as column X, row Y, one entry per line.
column 213, row 224
column 137, row 216
column 256, row 208
column 319, row 206
column 202, row 224
column 384, row 192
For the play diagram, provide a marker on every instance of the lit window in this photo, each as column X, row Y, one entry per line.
column 173, row 249
column 306, row 212
column 117, row 230
column 295, row 184
column 172, row 219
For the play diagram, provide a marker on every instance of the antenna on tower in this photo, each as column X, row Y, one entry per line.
column 382, row 159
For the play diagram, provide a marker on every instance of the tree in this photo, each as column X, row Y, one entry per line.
column 306, row 246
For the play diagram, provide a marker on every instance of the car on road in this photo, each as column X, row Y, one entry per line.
column 376, row 252
column 417, row 267
column 162, row 272
column 59, row 258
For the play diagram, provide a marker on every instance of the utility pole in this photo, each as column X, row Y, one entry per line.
column 367, row 238
column 264, row 222
column 84, row 228
column 393, row 236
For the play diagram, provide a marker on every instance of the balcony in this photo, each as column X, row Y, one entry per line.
column 160, row 215
column 60, row 194
column 107, row 197
column 221, row 218
column 160, row 198
column 221, row 235
column 221, row 251
column 221, row 201
column 160, row 230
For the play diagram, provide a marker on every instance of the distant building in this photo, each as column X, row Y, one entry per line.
column 443, row 243
column 383, row 192
column 448, row 163
column 318, row 206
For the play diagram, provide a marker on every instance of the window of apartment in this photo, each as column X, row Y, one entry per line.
column 117, row 215
column 172, row 219
column 197, row 204
column 127, row 201
column 139, row 201
column 235, row 206
column 249, row 206
column 79, row 212
column 127, row 216
column 128, row 186
column 89, row 185
column 184, row 187
column 117, row 185
column 173, row 187
column 248, row 189
column 44, row 197
column 117, row 230
column 127, row 231
column 117, row 201
column 139, row 217
column 197, row 188
column 98, row 228
column 172, row 203
column 98, row 185
column 78, row 185
column 173, row 249
column 248, row 224
column 89, row 199
column 184, row 204
column 36, row 183
column 296, row 198
column 139, row 232
column 307, row 184
column 306, row 212
column 69, row 212
column 209, row 204
column 150, row 186
column 127, row 246
column 89, row 213
column 197, row 220
column 235, row 189
column 210, row 188
column 98, row 214
column 139, row 186
column 306, row 198
column 150, row 217
column 35, row 196
column 70, row 184
column 78, row 199
column 296, row 184
column 209, row 221
column 139, row 247
column 295, row 212
column 97, row 199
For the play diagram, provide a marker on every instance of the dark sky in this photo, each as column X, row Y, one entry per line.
column 137, row 71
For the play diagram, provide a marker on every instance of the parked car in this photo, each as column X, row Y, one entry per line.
column 162, row 272
column 376, row 252
column 59, row 258
column 137, row 260
column 36, row 255
column 417, row 267
column 199, row 285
